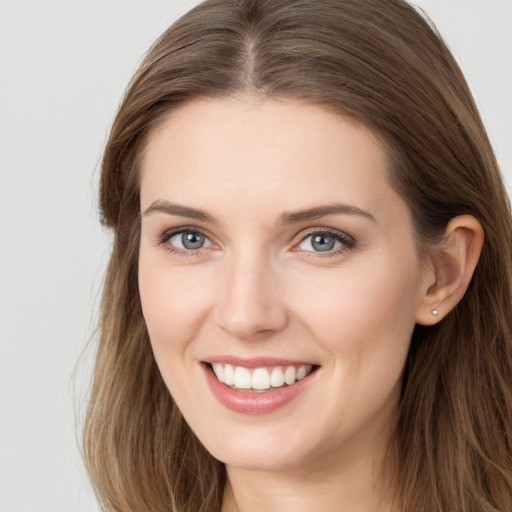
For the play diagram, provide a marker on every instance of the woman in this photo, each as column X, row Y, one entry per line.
column 308, row 302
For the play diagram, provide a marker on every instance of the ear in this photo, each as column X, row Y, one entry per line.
column 451, row 267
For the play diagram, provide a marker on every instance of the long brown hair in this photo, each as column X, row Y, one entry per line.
column 382, row 63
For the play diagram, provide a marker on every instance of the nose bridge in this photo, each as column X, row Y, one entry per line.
column 251, row 303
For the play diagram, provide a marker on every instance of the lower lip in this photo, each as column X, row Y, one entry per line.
column 246, row 402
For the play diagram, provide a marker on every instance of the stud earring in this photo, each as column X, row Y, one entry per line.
column 435, row 312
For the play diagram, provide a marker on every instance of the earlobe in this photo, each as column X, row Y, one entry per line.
column 453, row 263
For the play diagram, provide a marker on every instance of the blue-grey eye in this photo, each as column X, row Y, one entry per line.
column 320, row 242
column 190, row 240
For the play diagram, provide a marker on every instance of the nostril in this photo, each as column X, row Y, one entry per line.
column 249, row 305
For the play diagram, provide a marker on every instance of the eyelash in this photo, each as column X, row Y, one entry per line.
column 164, row 240
column 348, row 243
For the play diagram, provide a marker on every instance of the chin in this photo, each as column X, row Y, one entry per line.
column 263, row 448
column 255, row 459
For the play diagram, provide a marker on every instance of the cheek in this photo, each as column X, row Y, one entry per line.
column 367, row 309
column 174, row 309
column 171, row 302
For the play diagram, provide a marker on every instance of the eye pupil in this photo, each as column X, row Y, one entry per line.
column 322, row 242
column 192, row 240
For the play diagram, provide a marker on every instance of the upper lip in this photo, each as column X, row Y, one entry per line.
column 256, row 362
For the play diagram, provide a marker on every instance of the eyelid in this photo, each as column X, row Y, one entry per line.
column 348, row 242
column 165, row 237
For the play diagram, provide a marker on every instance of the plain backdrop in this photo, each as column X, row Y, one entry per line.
column 63, row 67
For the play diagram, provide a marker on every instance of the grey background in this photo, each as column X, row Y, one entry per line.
column 63, row 67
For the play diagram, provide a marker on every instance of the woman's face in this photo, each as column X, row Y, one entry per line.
column 274, row 250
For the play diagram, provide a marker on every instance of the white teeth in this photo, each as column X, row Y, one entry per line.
column 218, row 369
column 302, row 371
column 261, row 378
column 277, row 377
column 290, row 374
column 242, row 378
column 229, row 375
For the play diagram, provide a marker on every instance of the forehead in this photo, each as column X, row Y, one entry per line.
column 250, row 145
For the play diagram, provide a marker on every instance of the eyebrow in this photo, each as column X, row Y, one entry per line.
column 321, row 211
column 161, row 206
column 287, row 218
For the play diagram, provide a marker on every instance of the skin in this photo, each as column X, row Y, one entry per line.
column 258, row 288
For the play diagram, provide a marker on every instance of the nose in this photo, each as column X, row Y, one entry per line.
column 251, row 305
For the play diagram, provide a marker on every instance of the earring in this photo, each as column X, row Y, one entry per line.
column 435, row 312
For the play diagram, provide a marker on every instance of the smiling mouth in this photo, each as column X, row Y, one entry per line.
column 260, row 380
